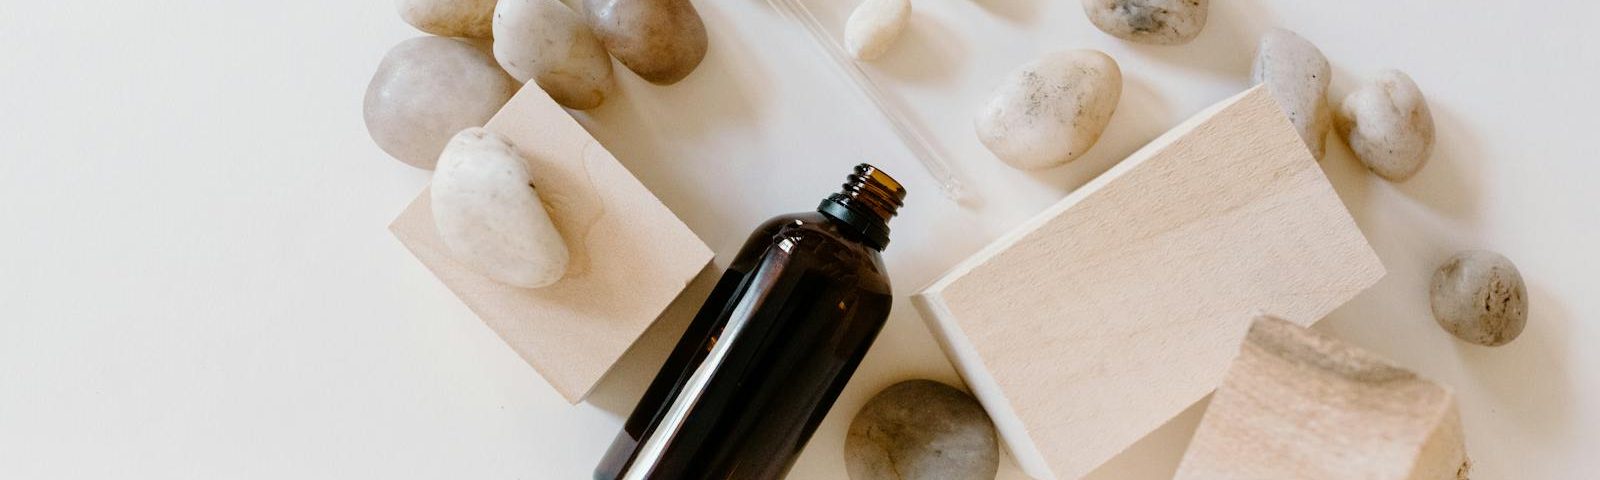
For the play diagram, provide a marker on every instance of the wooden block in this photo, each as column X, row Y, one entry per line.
column 1299, row 404
column 1115, row 309
column 630, row 255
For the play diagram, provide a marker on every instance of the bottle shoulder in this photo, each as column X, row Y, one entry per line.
column 835, row 250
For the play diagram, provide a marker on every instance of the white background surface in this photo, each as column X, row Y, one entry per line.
column 196, row 280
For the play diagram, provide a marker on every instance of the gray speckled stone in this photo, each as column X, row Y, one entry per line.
column 428, row 88
column 1297, row 75
column 1388, row 125
column 1160, row 22
column 1479, row 296
column 1049, row 112
column 922, row 430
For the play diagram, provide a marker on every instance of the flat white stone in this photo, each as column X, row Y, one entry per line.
column 874, row 25
column 1050, row 111
column 489, row 215
column 428, row 88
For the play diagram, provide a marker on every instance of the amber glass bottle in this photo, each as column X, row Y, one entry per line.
column 767, row 355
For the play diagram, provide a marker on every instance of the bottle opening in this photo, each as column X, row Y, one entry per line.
column 868, row 199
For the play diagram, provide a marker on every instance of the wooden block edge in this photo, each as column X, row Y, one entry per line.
column 970, row 366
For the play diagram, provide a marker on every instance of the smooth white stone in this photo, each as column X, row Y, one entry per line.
column 1160, row 22
column 428, row 88
column 1297, row 75
column 874, row 25
column 489, row 214
column 1049, row 112
column 546, row 42
column 1388, row 126
column 450, row 18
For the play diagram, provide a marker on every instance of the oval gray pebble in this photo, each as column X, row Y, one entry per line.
column 922, row 430
column 1479, row 296
column 1160, row 22
column 1050, row 111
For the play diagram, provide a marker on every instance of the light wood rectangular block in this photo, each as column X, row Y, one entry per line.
column 630, row 255
column 1113, row 310
column 1299, row 404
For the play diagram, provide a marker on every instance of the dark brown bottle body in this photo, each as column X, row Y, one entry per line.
column 793, row 315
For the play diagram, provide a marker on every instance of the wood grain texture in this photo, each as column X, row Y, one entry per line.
column 1299, row 404
column 630, row 255
column 1112, row 311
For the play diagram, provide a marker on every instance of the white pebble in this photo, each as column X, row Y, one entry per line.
column 428, row 88
column 1297, row 75
column 489, row 214
column 450, row 18
column 1049, row 112
column 1388, row 126
column 1160, row 22
column 546, row 42
column 874, row 25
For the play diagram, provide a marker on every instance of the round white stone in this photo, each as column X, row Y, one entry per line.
column 450, row 18
column 1160, row 22
column 549, row 44
column 428, row 88
column 1388, row 126
column 874, row 25
column 489, row 214
column 1049, row 112
column 1297, row 75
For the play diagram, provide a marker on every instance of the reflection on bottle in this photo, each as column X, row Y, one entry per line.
column 769, row 352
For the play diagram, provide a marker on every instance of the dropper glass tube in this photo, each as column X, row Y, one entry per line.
column 910, row 134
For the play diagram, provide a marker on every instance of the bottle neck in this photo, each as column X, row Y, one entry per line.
column 868, row 199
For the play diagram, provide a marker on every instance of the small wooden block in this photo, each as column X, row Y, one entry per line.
column 630, row 255
column 1115, row 309
column 1299, row 404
